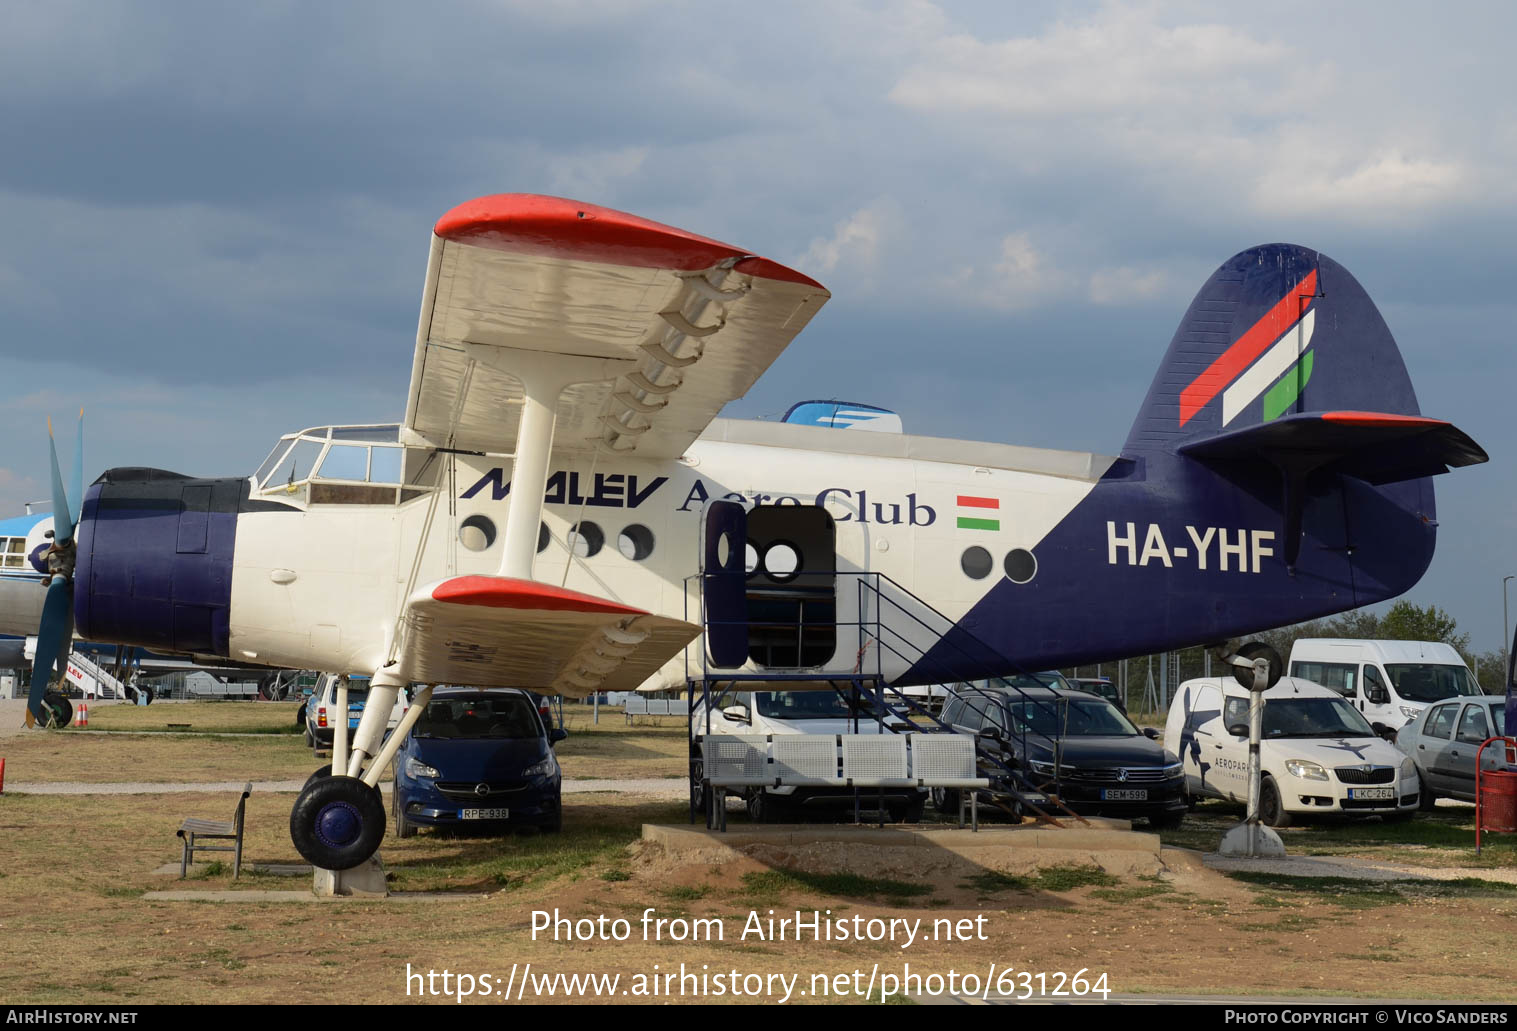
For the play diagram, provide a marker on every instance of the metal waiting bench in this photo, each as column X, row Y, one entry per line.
column 642, row 705
column 843, row 761
column 193, row 830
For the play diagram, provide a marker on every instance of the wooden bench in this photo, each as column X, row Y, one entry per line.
column 193, row 830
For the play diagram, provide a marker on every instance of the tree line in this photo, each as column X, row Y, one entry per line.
column 1403, row 622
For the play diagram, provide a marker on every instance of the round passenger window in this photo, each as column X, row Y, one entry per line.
column 477, row 532
column 750, row 558
column 723, row 550
column 782, row 560
column 635, row 542
column 976, row 563
column 586, row 540
column 1021, row 566
column 543, row 537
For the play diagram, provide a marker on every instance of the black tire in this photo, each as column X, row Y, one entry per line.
column 946, row 800
column 553, row 825
column 1426, row 800
column 698, row 784
column 147, row 693
column 300, row 717
column 321, row 774
column 404, row 828
column 764, row 808
column 1271, row 812
column 1259, row 650
column 310, row 741
column 1167, row 821
column 337, row 823
column 909, row 813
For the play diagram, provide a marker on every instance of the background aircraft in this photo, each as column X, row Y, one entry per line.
column 560, row 509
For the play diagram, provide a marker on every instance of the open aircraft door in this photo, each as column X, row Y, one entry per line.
column 724, row 584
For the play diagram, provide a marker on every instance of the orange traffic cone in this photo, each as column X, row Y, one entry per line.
column 82, row 714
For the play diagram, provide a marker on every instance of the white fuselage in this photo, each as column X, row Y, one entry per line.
column 321, row 587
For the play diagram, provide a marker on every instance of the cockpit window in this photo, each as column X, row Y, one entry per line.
column 355, row 465
column 346, row 462
column 262, row 476
column 297, row 464
column 389, row 434
column 384, row 464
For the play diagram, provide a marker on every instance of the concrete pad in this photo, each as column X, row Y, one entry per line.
column 367, row 878
column 1104, row 836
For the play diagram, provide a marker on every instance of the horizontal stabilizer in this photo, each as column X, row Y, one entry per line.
column 497, row 631
column 1377, row 447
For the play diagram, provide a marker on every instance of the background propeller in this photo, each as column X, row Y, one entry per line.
column 55, row 633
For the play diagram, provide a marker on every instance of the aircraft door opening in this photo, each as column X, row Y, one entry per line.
column 722, row 576
column 791, row 566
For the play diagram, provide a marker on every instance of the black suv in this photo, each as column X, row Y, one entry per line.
column 1076, row 746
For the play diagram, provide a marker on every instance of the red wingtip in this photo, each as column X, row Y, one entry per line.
column 503, row 592
column 556, row 227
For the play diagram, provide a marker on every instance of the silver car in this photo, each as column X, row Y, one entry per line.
column 1443, row 739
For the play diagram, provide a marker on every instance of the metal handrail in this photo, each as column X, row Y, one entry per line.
column 868, row 581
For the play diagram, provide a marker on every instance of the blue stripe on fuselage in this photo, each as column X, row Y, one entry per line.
column 1082, row 607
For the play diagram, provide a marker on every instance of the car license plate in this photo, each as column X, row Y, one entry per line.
column 484, row 814
column 1386, row 793
column 1124, row 795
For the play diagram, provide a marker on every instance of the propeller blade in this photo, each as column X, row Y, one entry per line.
column 63, row 523
column 56, row 631
column 76, row 483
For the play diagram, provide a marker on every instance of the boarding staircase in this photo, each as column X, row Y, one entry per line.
column 92, row 679
column 895, row 628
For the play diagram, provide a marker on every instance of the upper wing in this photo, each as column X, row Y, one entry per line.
column 495, row 631
column 681, row 325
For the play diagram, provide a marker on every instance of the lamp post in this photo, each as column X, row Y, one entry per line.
column 1506, row 636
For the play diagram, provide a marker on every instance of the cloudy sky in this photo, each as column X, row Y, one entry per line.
column 215, row 217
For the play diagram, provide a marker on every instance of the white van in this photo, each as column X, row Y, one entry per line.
column 1389, row 682
column 1317, row 753
column 801, row 712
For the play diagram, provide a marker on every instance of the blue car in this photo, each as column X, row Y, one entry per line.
column 478, row 759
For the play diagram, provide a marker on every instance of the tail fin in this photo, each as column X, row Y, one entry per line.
column 1277, row 330
column 1282, row 359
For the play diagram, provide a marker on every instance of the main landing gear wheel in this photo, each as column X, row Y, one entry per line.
column 321, row 774
column 337, row 822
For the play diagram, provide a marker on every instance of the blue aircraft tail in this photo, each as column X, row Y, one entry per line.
column 1279, row 470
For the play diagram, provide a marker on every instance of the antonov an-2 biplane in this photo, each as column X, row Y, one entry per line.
column 561, row 509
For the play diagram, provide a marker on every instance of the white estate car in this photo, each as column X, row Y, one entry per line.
column 1317, row 753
